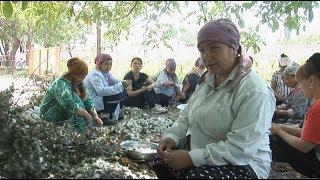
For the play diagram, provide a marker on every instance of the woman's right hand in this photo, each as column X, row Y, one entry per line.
column 168, row 83
column 164, row 145
column 143, row 88
column 126, row 83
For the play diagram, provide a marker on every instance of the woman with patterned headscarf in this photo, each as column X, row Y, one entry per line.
column 228, row 116
column 66, row 99
column 106, row 91
column 167, row 87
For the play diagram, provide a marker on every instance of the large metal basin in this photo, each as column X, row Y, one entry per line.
column 139, row 150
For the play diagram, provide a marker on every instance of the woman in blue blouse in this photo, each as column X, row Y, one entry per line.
column 105, row 90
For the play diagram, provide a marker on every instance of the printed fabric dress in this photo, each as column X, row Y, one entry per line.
column 60, row 103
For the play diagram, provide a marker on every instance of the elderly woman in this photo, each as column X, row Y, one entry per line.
column 167, row 87
column 281, row 91
column 106, row 91
column 228, row 116
column 294, row 108
column 190, row 81
column 141, row 92
column 66, row 99
column 300, row 147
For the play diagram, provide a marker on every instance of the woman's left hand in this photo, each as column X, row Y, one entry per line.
column 98, row 121
column 149, row 88
column 275, row 128
column 178, row 159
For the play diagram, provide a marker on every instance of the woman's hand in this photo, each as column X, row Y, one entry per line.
column 168, row 83
column 183, row 97
column 178, row 159
column 149, row 88
column 126, row 83
column 165, row 145
column 143, row 89
column 97, row 121
column 275, row 128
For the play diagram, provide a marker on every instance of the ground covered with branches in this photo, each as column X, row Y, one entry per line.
column 33, row 148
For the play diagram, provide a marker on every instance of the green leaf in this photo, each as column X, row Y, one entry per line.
column 24, row 5
column 7, row 9
column 248, row 5
column 310, row 15
column 275, row 25
column 257, row 28
column 241, row 23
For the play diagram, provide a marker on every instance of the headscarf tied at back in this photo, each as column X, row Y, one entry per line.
column 101, row 58
column 225, row 31
column 170, row 63
column 77, row 66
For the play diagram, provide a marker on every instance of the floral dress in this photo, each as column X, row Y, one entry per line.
column 60, row 103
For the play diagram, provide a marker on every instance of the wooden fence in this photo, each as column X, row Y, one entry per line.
column 42, row 61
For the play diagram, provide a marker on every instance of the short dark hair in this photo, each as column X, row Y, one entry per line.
column 136, row 58
column 283, row 55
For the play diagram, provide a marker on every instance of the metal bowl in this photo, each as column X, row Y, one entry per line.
column 132, row 150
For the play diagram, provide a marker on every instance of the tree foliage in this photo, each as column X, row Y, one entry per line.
column 57, row 23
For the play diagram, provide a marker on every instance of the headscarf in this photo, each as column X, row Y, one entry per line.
column 244, row 68
column 285, row 61
column 77, row 66
column 225, row 31
column 199, row 63
column 291, row 69
column 170, row 63
column 221, row 30
column 101, row 58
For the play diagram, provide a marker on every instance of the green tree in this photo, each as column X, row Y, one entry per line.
column 50, row 19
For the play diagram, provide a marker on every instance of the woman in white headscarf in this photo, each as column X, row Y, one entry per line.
column 281, row 91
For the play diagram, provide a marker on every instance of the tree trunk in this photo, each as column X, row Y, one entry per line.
column 98, row 37
column 15, row 44
column 69, row 50
column 6, row 54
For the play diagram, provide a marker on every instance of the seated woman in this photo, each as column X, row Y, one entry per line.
column 167, row 87
column 190, row 81
column 105, row 90
column 141, row 92
column 281, row 91
column 300, row 147
column 228, row 116
column 66, row 99
column 294, row 108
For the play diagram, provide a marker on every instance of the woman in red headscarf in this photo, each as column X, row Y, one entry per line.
column 66, row 98
column 106, row 91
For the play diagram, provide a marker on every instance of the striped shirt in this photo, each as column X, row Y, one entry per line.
column 281, row 88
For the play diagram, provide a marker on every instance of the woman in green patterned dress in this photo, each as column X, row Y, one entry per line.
column 66, row 99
